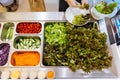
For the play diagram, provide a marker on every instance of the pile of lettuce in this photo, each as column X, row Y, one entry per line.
column 55, row 33
column 75, row 47
column 105, row 8
column 80, row 19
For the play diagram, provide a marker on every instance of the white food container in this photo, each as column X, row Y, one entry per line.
column 97, row 15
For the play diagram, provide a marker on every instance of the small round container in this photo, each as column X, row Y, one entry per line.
column 5, row 74
column 41, row 74
column 24, row 75
column 33, row 74
column 15, row 74
column 50, row 74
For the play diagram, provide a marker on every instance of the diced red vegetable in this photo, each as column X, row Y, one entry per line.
column 29, row 27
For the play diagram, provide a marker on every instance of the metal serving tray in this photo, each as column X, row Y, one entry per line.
column 61, row 72
column 65, row 72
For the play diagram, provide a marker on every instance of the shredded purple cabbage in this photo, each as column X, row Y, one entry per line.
column 4, row 52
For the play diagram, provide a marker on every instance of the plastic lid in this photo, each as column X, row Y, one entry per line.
column 50, row 74
column 41, row 74
column 24, row 75
column 33, row 74
column 15, row 74
column 6, row 2
column 5, row 74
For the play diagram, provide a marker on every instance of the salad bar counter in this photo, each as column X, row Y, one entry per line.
column 44, row 45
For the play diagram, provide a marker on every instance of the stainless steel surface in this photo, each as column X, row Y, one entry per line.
column 113, row 48
column 64, row 72
column 31, row 16
column 110, row 32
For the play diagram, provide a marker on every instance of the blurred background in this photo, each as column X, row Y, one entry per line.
column 37, row 5
column 30, row 5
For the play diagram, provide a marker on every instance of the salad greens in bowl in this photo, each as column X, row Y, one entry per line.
column 78, row 16
column 104, row 9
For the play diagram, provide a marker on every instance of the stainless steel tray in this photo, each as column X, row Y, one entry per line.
column 61, row 72
column 67, row 73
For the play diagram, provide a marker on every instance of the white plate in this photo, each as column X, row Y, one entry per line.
column 72, row 11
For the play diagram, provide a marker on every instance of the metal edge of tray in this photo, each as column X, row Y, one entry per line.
column 23, row 16
column 104, row 27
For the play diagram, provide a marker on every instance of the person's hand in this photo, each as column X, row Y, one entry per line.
column 84, row 2
column 73, row 3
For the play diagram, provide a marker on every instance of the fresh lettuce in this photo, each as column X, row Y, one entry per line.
column 55, row 33
column 105, row 8
column 99, row 7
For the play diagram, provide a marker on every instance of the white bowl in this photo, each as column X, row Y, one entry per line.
column 97, row 15
column 72, row 11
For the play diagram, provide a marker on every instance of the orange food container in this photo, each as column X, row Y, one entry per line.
column 25, row 58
